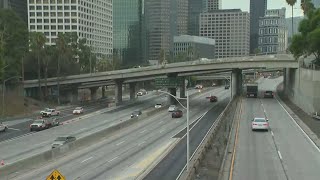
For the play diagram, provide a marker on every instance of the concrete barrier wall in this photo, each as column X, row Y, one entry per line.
column 216, row 138
column 303, row 88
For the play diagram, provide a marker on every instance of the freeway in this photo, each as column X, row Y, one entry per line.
column 131, row 150
column 283, row 153
column 30, row 144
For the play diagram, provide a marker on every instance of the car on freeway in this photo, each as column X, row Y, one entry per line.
column 158, row 105
column 259, row 123
column 135, row 114
column 77, row 110
column 45, row 109
column 198, row 86
column 176, row 114
column 42, row 124
column 213, row 98
column 268, row 94
column 62, row 140
column 142, row 92
column 172, row 108
column 214, row 84
column 51, row 112
column 3, row 127
column 227, row 86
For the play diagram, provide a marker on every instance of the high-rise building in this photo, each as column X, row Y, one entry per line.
column 273, row 32
column 90, row 19
column 214, row 5
column 230, row 29
column 164, row 19
column 128, row 32
column 194, row 47
column 296, row 22
column 194, row 9
column 19, row 6
column 257, row 10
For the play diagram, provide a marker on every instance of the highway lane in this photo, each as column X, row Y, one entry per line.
column 31, row 144
column 129, row 151
column 282, row 153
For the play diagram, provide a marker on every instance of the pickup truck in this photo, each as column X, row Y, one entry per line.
column 42, row 124
column 45, row 109
column 50, row 112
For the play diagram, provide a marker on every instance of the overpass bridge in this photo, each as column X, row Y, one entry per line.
column 182, row 69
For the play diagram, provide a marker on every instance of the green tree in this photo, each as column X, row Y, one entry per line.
column 162, row 56
column 49, row 57
column 307, row 6
column 308, row 41
column 37, row 42
column 291, row 3
column 257, row 51
column 13, row 42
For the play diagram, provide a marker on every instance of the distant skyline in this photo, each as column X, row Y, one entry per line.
column 272, row 4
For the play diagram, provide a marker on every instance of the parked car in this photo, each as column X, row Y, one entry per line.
column 136, row 114
column 227, row 86
column 3, row 127
column 177, row 114
column 77, row 110
column 260, row 124
column 158, row 105
column 172, row 108
column 62, row 140
column 51, row 112
column 268, row 94
column 142, row 92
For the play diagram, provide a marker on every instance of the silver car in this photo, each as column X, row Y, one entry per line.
column 62, row 140
column 3, row 127
column 260, row 124
column 172, row 108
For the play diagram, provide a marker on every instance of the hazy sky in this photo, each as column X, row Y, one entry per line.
column 272, row 4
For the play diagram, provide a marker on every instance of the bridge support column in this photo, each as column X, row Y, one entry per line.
column 74, row 95
column 172, row 91
column 118, row 92
column 132, row 87
column 103, row 91
column 236, row 82
column 93, row 93
column 183, row 90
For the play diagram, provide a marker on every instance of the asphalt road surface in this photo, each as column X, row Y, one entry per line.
column 282, row 153
column 131, row 150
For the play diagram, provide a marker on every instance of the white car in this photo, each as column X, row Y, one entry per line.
column 43, row 111
column 260, row 124
column 172, row 108
column 158, row 105
column 51, row 112
column 3, row 127
column 77, row 110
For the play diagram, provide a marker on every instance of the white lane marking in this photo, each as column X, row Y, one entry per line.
column 306, row 135
column 14, row 129
column 177, row 122
column 113, row 159
column 141, row 143
column 86, row 160
column 272, row 133
column 161, row 131
column 120, row 143
column 279, row 153
column 143, row 131
column 160, row 122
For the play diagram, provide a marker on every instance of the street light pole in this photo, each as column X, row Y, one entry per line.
column 188, row 133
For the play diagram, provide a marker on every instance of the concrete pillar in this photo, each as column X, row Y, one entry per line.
column 132, row 87
column 236, row 82
column 171, row 99
column 103, row 91
column 118, row 92
column 74, row 96
column 93, row 93
column 183, row 91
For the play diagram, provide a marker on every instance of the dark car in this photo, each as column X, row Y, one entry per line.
column 177, row 114
column 213, row 99
column 136, row 114
column 268, row 94
column 226, row 86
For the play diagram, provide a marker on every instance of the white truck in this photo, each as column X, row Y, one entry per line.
column 50, row 112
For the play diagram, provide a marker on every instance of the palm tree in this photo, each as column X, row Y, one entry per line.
column 291, row 3
column 37, row 42
column 62, row 49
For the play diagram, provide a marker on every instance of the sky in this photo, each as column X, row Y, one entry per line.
column 272, row 4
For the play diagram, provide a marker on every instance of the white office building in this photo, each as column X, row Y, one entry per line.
column 90, row 19
column 273, row 32
column 230, row 29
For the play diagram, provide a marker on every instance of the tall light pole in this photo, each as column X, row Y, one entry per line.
column 4, row 89
column 188, row 133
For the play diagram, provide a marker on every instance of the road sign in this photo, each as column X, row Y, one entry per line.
column 170, row 82
column 55, row 175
